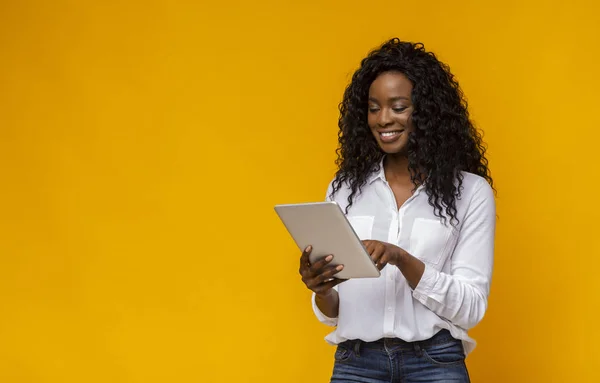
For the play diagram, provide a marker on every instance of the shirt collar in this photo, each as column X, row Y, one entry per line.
column 380, row 174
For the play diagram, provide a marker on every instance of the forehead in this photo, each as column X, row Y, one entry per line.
column 390, row 84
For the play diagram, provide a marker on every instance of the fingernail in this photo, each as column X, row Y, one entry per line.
column 339, row 267
column 309, row 248
column 329, row 258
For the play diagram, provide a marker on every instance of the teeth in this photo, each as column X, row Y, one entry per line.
column 389, row 134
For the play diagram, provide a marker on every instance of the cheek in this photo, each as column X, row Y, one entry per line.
column 404, row 120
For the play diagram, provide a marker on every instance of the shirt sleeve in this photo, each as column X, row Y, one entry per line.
column 461, row 296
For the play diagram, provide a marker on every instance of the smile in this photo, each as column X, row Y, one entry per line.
column 390, row 136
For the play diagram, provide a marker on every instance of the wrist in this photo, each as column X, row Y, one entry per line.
column 325, row 295
column 401, row 257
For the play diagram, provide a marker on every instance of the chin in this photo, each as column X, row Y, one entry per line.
column 393, row 149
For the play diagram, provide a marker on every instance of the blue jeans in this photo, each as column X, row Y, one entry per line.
column 439, row 359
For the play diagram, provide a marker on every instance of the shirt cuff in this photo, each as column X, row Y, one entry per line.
column 425, row 285
column 320, row 316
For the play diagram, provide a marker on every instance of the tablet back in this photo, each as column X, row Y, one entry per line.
column 324, row 226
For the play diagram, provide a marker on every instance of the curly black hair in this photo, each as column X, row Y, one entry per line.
column 444, row 141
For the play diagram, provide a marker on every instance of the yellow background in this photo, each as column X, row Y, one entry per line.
column 143, row 145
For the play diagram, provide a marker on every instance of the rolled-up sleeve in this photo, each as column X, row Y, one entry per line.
column 461, row 295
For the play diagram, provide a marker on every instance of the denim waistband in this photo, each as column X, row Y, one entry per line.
column 441, row 337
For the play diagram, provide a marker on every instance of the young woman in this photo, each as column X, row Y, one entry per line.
column 414, row 183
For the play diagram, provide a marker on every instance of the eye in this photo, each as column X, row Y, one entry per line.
column 399, row 109
column 373, row 109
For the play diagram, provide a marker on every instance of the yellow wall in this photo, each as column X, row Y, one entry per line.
column 143, row 145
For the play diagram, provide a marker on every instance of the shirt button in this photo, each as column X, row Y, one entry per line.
column 389, row 309
column 391, row 277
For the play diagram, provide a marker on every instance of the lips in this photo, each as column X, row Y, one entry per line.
column 390, row 135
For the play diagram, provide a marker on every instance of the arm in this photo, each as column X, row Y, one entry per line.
column 328, row 303
column 461, row 296
column 319, row 277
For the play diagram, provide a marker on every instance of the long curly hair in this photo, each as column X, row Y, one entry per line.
column 444, row 141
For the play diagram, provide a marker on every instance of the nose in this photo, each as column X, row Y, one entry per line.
column 384, row 118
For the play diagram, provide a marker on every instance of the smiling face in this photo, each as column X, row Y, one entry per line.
column 390, row 109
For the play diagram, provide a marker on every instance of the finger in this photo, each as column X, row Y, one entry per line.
column 304, row 260
column 318, row 265
column 369, row 245
column 323, row 287
column 329, row 272
column 377, row 255
column 315, row 282
column 383, row 260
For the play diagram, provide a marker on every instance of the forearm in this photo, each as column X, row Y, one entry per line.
column 460, row 292
column 412, row 268
column 463, row 302
column 328, row 303
column 451, row 298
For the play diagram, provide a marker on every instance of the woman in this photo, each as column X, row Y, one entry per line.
column 414, row 183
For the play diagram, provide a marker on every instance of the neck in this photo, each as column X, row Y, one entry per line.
column 396, row 167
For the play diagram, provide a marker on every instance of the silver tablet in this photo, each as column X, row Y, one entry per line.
column 324, row 226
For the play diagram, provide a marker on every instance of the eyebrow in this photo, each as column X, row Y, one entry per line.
column 391, row 99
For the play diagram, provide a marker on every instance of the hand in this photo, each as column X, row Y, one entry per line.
column 319, row 276
column 383, row 253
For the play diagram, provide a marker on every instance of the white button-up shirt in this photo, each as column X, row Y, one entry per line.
column 455, row 285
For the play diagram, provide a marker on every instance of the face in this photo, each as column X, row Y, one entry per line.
column 390, row 109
